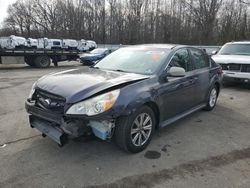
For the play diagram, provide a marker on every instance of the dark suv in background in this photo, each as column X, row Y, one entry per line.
column 126, row 95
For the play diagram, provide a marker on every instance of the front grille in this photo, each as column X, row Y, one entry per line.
column 236, row 67
column 245, row 68
column 49, row 101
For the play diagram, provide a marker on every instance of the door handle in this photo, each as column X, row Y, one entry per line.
column 186, row 83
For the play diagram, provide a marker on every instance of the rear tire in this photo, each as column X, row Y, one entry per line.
column 133, row 133
column 212, row 98
column 42, row 62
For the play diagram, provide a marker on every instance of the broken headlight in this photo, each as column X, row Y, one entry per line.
column 32, row 91
column 95, row 105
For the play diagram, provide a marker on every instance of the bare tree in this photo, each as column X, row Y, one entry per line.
column 131, row 21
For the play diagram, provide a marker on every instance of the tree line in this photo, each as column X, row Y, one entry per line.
column 131, row 21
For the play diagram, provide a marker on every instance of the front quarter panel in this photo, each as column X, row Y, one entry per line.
column 135, row 95
column 215, row 76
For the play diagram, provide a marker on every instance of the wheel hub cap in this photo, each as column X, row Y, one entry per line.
column 213, row 97
column 141, row 129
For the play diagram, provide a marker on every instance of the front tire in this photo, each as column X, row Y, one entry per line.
column 212, row 98
column 133, row 133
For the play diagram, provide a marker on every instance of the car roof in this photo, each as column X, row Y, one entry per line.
column 150, row 46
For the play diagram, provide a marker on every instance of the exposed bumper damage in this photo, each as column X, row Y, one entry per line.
column 60, row 128
column 236, row 76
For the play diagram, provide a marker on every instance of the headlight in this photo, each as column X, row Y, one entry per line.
column 32, row 91
column 95, row 105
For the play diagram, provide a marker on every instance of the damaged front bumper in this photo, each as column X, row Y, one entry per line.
column 241, row 77
column 60, row 128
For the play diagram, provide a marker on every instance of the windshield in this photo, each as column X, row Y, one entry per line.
column 98, row 51
column 235, row 49
column 141, row 61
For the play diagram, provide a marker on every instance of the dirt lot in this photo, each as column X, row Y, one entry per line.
column 206, row 149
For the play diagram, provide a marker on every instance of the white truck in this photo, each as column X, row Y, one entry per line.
column 40, row 58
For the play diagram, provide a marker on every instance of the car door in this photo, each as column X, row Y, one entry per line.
column 200, row 69
column 176, row 94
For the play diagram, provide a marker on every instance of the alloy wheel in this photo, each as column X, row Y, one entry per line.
column 213, row 97
column 141, row 129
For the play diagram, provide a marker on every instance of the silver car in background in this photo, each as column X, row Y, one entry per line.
column 234, row 58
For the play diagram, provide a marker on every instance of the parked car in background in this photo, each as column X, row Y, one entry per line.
column 95, row 55
column 210, row 49
column 126, row 95
column 234, row 57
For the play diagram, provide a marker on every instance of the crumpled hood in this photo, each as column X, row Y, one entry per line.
column 227, row 59
column 78, row 84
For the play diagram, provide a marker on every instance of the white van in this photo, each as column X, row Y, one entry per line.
column 13, row 42
column 69, row 44
column 49, row 44
column 32, row 43
column 82, row 45
column 91, row 45
column 4, row 42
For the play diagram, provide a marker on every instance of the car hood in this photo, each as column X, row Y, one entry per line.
column 226, row 59
column 78, row 84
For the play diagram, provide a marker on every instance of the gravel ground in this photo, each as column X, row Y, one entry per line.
column 205, row 149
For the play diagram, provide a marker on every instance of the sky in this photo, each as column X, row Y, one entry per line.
column 3, row 8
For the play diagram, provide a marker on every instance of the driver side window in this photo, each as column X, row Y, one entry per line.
column 181, row 59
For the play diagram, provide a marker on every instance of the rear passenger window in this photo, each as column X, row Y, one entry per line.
column 199, row 59
column 181, row 59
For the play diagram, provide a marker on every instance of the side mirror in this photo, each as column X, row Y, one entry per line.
column 214, row 52
column 176, row 72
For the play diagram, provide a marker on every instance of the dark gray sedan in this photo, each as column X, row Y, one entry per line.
column 125, row 96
